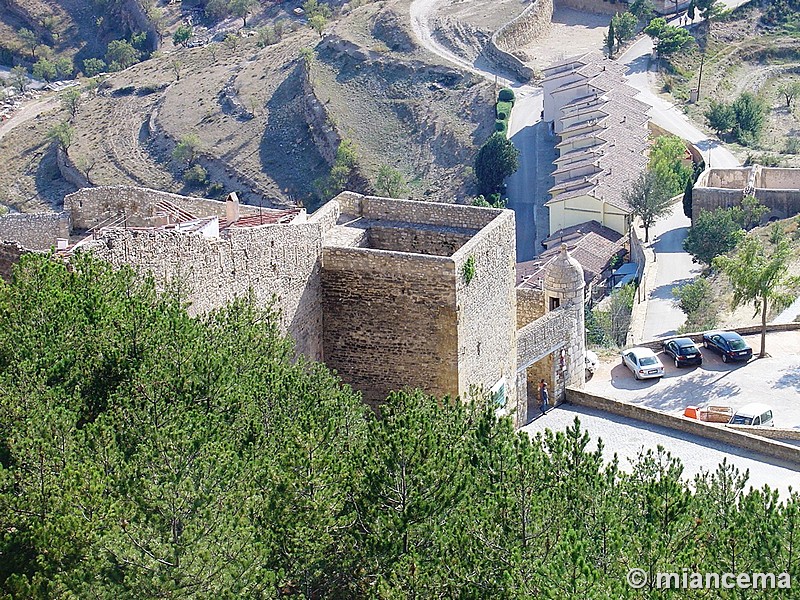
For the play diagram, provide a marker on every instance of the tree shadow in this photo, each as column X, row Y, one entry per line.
column 789, row 380
column 671, row 242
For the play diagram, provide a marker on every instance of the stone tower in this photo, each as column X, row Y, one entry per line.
column 564, row 288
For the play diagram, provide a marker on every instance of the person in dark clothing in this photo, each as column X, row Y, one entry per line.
column 544, row 396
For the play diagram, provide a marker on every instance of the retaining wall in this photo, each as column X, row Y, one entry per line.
column 522, row 30
column 697, row 337
column 723, row 435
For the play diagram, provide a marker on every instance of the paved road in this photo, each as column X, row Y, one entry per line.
column 665, row 114
column 627, row 438
column 674, row 267
column 527, row 188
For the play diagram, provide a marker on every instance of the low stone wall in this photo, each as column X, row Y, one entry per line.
column 69, row 171
column 646, row 259
column 723, row 435
column 773, row 433
column 526, row 27
column 34, row 231
column 600, row 7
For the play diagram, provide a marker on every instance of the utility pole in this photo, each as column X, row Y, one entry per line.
column 700, row 76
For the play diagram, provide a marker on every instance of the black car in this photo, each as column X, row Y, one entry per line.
column 729, row 344
column 683, row 351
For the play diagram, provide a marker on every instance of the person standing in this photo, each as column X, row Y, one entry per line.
column 544, row 396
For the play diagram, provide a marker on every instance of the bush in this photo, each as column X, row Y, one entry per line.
column 501, row 126
column 792, row 146
column 497, row 159
column 506, row 95
column 196, row 175
column 693, row 299
column 504, row 107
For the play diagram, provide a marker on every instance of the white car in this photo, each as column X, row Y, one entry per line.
column 753, row 414
column 643, row 363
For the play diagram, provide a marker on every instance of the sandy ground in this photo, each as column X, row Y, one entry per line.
column 774, row 380
column 488, row 16
column 628, row 438
column 30, row 111
column 571, row 33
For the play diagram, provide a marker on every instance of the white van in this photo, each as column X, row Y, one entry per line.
column 753, row 414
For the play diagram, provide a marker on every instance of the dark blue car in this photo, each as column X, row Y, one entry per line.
column 683, row 351
column 729, row 344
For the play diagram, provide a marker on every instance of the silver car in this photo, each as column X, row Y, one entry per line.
column 643, row 363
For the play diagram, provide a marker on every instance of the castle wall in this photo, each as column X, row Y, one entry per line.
column 94, row 206
column 390, row 321
column 530, row 306
column 280, row 261
column 779, row 179
column 426, row 213
column 416, row 240
column 34, row 231
column 487, row 313
column 530, row 24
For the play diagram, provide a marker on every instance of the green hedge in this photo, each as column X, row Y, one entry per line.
column 501, row 125
column 506, row 95
column 504, row 108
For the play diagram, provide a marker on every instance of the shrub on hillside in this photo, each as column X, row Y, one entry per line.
column 506, row 95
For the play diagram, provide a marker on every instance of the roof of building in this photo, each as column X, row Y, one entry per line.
column 592, row 245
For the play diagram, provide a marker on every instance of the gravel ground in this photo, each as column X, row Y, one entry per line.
column 774, row 380
column 627, row 438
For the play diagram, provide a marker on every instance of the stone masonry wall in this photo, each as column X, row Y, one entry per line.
column 601, row 7
column 487, row 312
column 526, row 27
column 426, row 213
column 386, row 315
column 782, row 204
column 417, row 240
column 530, row 306
column 271, row 260
column 93, row 206
column 34, row 231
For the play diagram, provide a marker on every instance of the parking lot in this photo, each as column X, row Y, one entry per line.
column 774, row 380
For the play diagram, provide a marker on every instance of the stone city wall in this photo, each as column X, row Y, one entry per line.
column 782, row 204
column 69, row 171
column 386, row 314
column 93, row 206
column 34, row 231
column 600, row 7
column 426, row 213
column 530, row 306
column 487, row 312
column 724, row 435
column 280, row 261
column 778, row 179
column 418, row 240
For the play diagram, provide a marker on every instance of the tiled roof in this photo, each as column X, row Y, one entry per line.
column 266, row 217
column 591, row 244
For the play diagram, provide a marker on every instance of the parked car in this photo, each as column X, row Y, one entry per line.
column 729, row 344
column 592, row 360
column 683, row 351
column 643, row 363
column 753, row 414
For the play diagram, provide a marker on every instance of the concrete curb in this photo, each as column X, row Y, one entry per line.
column 746, row 441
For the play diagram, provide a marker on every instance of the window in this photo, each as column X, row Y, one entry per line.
column 499, row 394
column 555, row 303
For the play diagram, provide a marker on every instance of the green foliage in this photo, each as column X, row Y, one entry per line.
column 501, row 126
column 497, row 159
column 313, row 8
column 145, row 453
column 19, row 78
column 610, row 324
column 643, row 10
column 720, row 117
column 182, row 35
column 760, row 277
column 317, row 23
column 44, row 69
column 93, row 66
column 687, row 197
column 655, row 28
column 790, row 91
column 694, row 300
column 506, row 95
column 216, row 10
column 504, row 107
column 494, row 201
column 390, row 182
column 344, row 165
column 186, row 149
column 751, row 113
column 120, row 55
column 29, row 39
column 62, row 134
column 268, row 36
column 624, row 27
column 64, row 67
column 713, row 233
column 671, row 39
column 71, row 100
column 307, row 54
column 667, row 161
column 195, row 175
column 242, row 9
column 610, row 37
column 649, row 198
column 468, row 269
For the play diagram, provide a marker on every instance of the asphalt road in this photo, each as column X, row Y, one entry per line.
column 674, row 267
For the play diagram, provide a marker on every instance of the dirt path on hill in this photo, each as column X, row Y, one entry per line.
column 28, row 112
